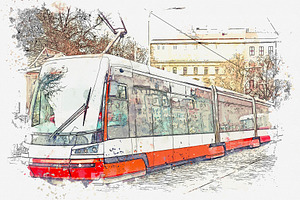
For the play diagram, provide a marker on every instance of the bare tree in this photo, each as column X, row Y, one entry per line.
column 234, row 74
column 262, row 80
column 258, row 79
column 70, row 31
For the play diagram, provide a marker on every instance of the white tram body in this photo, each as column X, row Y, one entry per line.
column 96, row 117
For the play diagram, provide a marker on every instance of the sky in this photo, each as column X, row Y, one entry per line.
column 196, row 13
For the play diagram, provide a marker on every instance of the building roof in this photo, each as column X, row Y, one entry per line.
column 231, row 35
column 45, row 54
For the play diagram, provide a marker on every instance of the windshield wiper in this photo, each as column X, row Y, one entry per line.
column 87, row 106
column 73, row 117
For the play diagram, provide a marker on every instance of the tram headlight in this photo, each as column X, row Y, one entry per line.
column 28, row 138
column 86, row 150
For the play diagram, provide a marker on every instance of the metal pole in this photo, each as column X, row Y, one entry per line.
column 149, row 52
column 254, row 116
column 216, row 113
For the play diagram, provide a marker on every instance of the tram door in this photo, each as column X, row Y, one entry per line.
column 119, row 142
column 143, row 123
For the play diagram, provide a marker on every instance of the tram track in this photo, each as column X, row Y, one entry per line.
column 236, row 170
column 224, row 176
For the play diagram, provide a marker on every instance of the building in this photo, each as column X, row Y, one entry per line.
column 201, row 55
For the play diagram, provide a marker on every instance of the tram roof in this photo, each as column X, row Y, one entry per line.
column 119, row 61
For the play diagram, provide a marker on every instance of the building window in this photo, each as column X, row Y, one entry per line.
column 174, row 47
column 158, row 47
column 175, row 70
column 163, row 47
column 252, row 51
column 195, row 70
column 270, row 50
column 216, row 70
column 261, row 50
column 184, row 70
column 205, row 70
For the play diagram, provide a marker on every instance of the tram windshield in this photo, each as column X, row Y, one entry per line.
column 63, row 87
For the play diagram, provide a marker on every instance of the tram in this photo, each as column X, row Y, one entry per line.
column 102, row 118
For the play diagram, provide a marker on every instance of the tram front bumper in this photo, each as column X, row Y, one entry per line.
column 77, row 169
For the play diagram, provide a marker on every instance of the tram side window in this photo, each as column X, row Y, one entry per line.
column 42, row 111
column 117, row 112
column 235, row 114
column 179, row 115
column 143, row 109
column 194, row 120
column 36, row 110
column 200, row 112
column 161, row 114
column 263, row 117
column 202, row 116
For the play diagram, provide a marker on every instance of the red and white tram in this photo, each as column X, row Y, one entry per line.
column 99, row 117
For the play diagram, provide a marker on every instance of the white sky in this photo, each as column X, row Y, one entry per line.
column 197, row 13
column 222, row 14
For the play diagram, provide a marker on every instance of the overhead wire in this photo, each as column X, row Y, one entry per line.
column 196, row 40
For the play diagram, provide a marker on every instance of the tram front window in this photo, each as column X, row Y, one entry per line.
column 63, row 87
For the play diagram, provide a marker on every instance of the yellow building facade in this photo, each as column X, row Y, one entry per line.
column 201, row 55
